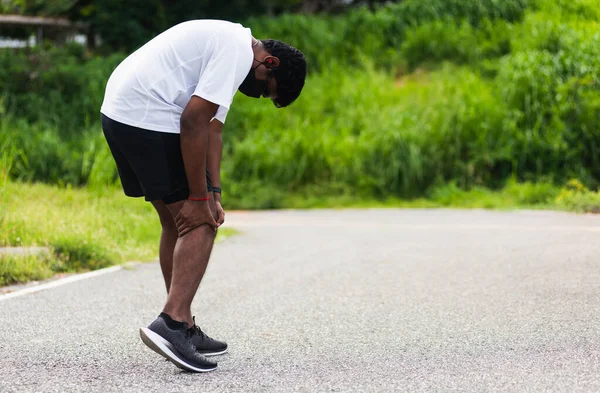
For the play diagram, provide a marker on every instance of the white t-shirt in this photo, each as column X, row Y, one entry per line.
column 151, row 88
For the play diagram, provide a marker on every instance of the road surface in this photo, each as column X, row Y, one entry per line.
column 339, row 301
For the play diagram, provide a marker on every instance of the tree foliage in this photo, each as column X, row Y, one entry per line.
column 37, row 7
column 125, row 25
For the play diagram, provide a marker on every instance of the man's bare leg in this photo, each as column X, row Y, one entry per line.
column 190, row 259
column 168, row 239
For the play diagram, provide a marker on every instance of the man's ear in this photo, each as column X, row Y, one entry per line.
column 271, row 61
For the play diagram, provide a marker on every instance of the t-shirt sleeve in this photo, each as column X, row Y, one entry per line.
column 221, row 114
column 219, row 79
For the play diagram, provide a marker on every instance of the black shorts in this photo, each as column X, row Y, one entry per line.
column 149, row 162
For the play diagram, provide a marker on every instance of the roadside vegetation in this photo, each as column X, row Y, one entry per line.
column 421, row 103
column 82, row 229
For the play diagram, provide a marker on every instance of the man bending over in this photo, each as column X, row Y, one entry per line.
column 162, row 116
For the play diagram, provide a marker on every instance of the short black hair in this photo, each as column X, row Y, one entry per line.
column 291, row 72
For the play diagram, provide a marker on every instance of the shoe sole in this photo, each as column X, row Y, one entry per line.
column 213, row 353
column 164, row 348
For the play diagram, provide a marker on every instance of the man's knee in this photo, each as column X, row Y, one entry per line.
column 205, row 230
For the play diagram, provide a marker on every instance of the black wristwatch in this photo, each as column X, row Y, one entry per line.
column 216, row 189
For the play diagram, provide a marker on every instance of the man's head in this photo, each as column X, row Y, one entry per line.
column 278, row 72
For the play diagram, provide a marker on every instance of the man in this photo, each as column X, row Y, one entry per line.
column 162, row 116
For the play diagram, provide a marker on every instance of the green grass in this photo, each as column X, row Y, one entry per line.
column 85, row 229
column 416, row 94
column 24, row 268
column 437, row 103
column 88, row 229
column 542, row 195
column 576, row 197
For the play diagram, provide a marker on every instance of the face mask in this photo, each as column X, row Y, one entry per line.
column 252, row 87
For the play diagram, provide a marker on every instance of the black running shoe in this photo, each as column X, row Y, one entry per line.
column 205, row 345
column 176, row 345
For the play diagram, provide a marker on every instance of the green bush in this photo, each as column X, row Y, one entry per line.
column 544, row 32
column 512, row 195
column 579, row 110
column 527, row 193
column 42, row 153
column 577, row 197
column 471, row 133
column 416, row 12
column 318, row 37
column 22, row 268
column 77, row 254
column 378, row 35
column 457, row 41
column 381, row 140
column 440, row 40
column 554, row 92
column 498, row 91
column 573, row 9
column 528, row 82
column 57, row 86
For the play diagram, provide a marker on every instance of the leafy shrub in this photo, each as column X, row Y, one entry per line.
column 543, row 32
column 440, row 40
column 555, row 95
column 579, row 110
column 575, row 196
column 575, row 9
column 527, row 193
column 41, row 152
column 521, row 101
column 528, row 82
column 416, row 12
column 22, row 268
column 76, row 254
column 378, row 35
column 58, row 86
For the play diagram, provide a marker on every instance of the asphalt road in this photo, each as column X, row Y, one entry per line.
column 340, row 301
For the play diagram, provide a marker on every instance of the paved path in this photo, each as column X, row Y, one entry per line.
column 340, row 301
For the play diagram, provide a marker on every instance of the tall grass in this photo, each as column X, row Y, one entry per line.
column 401, row 137
column 398, row 102
column 83, row 230
column 61, row 87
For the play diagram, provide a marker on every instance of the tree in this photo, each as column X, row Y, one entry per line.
column 36, row 7
column 125, row 25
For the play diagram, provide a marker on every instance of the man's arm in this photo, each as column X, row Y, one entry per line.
column 195, row 122
column 215, row 153
column 195, row 125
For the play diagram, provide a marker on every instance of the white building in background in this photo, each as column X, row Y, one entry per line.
column 60, row 29
column 6, row 42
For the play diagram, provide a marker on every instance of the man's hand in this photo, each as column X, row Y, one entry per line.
column 220, row 214
column 192, row 215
